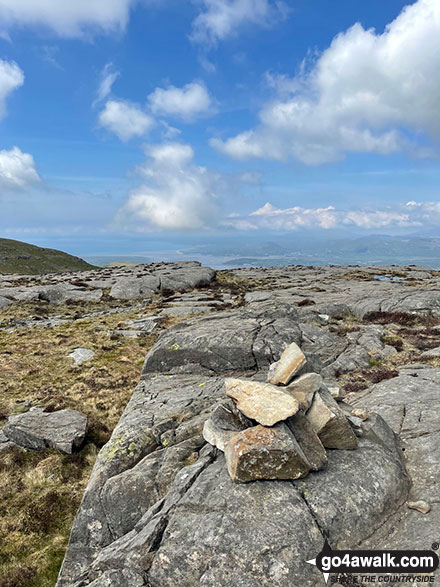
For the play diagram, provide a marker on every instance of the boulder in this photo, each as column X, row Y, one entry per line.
column 291, row 361
column 244, row 341
column 330, row 423
column 132, row 288
column 81, row 355
column 265, row 453
column 36, row 429
column 187, row 275
column 261, row 401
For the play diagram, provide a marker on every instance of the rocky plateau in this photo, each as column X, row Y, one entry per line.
column 277, row 408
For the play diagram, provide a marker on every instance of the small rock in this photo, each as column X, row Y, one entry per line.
column 361, row 413
column 265, row 453
column 324, row 318
column 304, row 388
column 224, row 423
column 63, row 430
column 81, row 355
column 337, row 392
column 260, row 401
column 291, row 361
column 420, row 506
column 329, row 422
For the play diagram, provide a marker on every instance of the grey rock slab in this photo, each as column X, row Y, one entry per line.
column 255, row 534
column 244, row 340
column 134, row 549
column 330, row 423
column 358, row 490
column 265, row 453
column 63, row 430
column 262, row 402
column 250, row 535
column 81, row 355
column 291, row 361
column 410, row 406
column 162, row 412
column 128, row 496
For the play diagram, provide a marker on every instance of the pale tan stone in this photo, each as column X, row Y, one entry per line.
column 260, row 401
column 291, row 361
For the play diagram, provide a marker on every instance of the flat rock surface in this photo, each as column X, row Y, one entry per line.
column 63, row 430
column 409, row 403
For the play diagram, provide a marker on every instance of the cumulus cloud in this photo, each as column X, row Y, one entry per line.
column 17, row 170
column 125, row 120
column 357, row 97
column 73, row 18
column 411, row 214
column 108, row 77
column 11, row 78
column 188, row 102
column 223, row 18
column 177, row 193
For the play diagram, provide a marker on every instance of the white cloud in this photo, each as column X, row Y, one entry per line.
column 108, row 78
column 188, row 102
column 125, row 120
column 357, row 97
column 11, row 78
column 177, row 195
column 223, row 18
column 17, row 170
column 269, row 217
column 67, row 18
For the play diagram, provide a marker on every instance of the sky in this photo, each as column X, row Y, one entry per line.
column 143, row 120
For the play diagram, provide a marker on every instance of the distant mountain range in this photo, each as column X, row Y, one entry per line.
column 24, row 259
column 306, row 250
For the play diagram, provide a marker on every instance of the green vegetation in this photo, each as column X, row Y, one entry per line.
column 40, row 492
column 25, row 259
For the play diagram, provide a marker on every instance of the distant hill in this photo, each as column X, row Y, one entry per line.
column 25, row 259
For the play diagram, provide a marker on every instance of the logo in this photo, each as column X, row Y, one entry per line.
column 408, row 562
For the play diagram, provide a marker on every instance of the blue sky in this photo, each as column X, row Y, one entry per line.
column 155, row 119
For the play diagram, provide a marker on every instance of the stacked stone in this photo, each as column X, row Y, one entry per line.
column 279, row 429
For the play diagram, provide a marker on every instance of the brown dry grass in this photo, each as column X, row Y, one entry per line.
column 41, row 491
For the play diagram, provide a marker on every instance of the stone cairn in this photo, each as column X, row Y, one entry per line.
column 280, row 429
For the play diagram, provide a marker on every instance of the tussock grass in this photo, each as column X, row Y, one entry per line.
column 40, row 491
